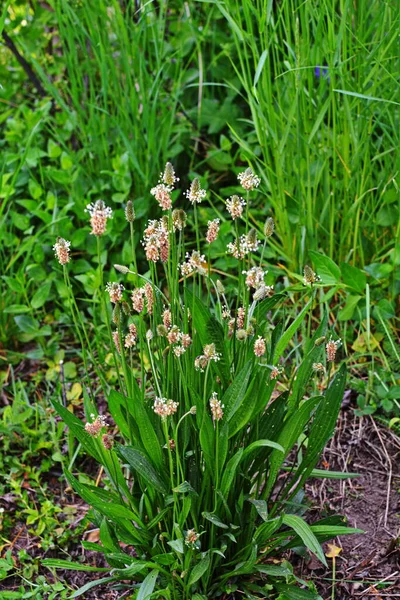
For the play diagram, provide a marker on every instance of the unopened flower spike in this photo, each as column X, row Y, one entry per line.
column 168, row 177
column 129, row 212
column 216, row 407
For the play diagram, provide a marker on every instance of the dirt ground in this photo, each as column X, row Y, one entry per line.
column 369, row 564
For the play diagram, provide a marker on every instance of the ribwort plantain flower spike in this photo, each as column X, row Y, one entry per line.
column 235, row 206
column 99, row 215
column 94, row 427
column 212, row 230
column 169, row 177
column 116, row 291
column 216, row 407
column 195, row 194
column 310, row 277
column 269, row 227
column 259, row 347
column 61, row 250
column 129, row 212
column 248, row 180
column 331, row 349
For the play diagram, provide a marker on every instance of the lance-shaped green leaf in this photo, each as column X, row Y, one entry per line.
column 78, row 429
column 230, row 472
column 148, row 585
column 306, row 535
column 291, row 431
column 290, row 331
column 199, row 570
column 261, row 444
column 236, row 392
column 322, row 427
column 143, row 467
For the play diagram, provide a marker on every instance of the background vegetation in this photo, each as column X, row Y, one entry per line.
column 96, row 96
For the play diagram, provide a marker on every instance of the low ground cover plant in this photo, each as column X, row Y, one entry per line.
column 208, row 440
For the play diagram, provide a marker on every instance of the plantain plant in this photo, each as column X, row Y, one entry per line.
column 213, row 430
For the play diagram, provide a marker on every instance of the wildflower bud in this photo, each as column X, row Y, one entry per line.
column 115, row 336
column 252, row 237
column 269, row 227
column 172, row 445
column 179, row 218
column 121, row 269
column 61, row 249
column 126, row 309
column 129, row 212
column 108, row 441
column 320, row 340
column 130, row 339
column 162, row 330
column 241, row 335
column 309, row 276
column 193, row 410
column 169, row 177
column 116, row 316
column 149, row 335
column 220, row 287
column 318, row 367
column 250, row 330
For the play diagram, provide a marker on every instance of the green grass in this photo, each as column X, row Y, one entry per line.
column 327, row 146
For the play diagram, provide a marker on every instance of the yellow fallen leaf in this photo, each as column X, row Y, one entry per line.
column 333, row 551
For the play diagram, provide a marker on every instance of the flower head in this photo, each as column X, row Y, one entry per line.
column 269, row 227
column 115, row 290
column 259, row 347
column 212, row 230
column 99, row 214
column 248, row 179
column 108, row 441
column 195, row 262
column 96, row 425
column 169, row 177
column 156, row 241
column 275, row 372
column 195, row 193
column 331, row 349
column 235, row 206
column 191, row 537
column 138, row 299
column 309, row 276
column 61, row 250
column 243, row 246
column 165, row 408
column 129, row 212
column 216, row 407
column 131, row 337
column 162, row 194
column 178, row 219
